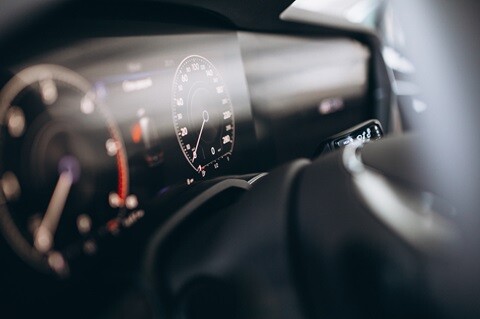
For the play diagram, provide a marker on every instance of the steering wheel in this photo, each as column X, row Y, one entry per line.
column 383, row 230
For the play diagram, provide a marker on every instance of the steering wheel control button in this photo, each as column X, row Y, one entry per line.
column 365, row 132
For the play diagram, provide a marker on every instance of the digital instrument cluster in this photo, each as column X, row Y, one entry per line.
column 92, row 132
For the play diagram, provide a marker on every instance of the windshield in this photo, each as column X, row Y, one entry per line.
column 351, row 14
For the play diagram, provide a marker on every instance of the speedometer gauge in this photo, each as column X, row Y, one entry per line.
column 63, row 166
column 202, row 114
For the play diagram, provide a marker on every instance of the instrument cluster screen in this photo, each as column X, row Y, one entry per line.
column 180, row 101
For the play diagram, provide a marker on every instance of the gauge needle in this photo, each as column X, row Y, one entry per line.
column 205, row 120
column 44, row 235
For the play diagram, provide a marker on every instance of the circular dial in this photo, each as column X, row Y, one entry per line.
column 63, row 166
column 202, row 114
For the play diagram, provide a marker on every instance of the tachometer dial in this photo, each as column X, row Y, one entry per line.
column 63, row 166
column 203, row 114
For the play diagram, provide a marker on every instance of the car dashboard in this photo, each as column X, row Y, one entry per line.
column 110, row 125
